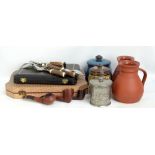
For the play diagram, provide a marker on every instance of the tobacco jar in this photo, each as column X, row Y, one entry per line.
column 99, row 60
column 99, row 71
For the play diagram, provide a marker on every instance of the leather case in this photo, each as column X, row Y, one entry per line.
column 30, row 76
column 18, row 91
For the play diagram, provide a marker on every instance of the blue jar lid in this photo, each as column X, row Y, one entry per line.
column 98, row 61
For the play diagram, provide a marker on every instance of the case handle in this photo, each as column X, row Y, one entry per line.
column 144, row 75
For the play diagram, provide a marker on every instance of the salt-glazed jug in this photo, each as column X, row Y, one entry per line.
column 100, row 92
column 128, row 87
column 119, row 59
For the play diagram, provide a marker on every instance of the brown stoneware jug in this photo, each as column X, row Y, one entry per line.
column 119, row 59
column 128, row 87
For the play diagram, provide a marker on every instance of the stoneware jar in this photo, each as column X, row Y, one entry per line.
column 100, row 92
column 119, row 59
column 128, row 87
column 99, row 71
column 98, row 61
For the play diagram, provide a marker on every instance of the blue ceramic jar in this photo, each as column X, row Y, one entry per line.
column 98, row 61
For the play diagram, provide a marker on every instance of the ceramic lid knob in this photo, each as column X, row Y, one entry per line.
column 99, row 58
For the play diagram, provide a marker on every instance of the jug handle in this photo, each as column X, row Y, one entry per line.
column 145, row 75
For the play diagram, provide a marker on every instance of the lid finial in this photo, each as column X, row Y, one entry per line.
column 99, row 58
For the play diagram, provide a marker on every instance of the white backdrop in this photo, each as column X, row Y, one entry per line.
column 27, row 128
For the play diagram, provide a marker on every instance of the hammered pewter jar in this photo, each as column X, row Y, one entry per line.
column 100, row 92
column 99, row 71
